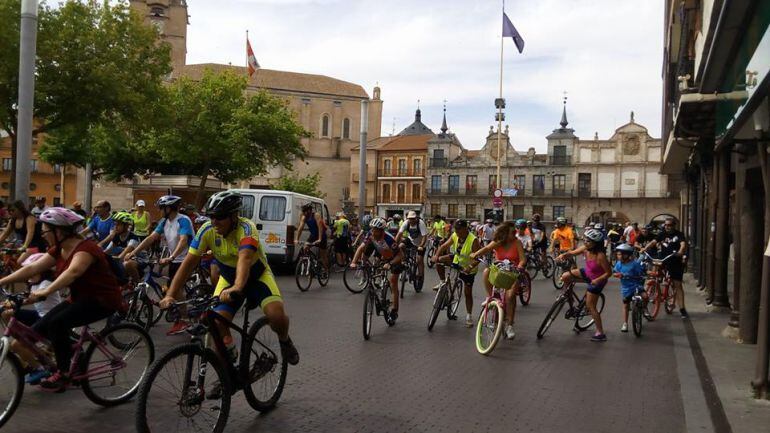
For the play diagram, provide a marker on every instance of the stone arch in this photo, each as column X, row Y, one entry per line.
column 604, row 217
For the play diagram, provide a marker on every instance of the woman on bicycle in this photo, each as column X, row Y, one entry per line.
column 596, row 273
column 631, row 276
column 24, row 225
column 83, row 267
column 523, row 234
column 506, row 246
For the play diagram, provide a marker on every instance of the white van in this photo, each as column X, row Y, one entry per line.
column 277, row 215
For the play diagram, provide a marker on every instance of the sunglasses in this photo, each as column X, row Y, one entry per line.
column 219, row 217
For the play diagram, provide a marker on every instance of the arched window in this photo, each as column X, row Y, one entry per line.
column 346, row 128
column 325, row 125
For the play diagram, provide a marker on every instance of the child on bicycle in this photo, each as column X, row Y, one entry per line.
column 506, row 246
column 36, row 284
column 596, row 272
column 631, row 276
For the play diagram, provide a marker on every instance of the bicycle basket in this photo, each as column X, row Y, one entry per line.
column 501, row 278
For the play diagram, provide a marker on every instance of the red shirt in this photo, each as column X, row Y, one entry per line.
column 98, row 283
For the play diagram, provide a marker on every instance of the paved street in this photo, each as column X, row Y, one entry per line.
column 406, row 379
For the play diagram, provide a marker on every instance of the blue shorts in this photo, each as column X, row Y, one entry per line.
column 591, row 288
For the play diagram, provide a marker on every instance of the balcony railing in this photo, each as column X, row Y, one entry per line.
column 396, row 172
column 438, row 162
column 554, row 193
column 399, row 200
column 559, row 160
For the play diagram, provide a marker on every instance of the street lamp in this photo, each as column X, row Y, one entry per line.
column 27, row 44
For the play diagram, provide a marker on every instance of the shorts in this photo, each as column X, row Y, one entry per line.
column 322, row 245
column 261, row 288
column 675, row 268
column 342, row 245
column 468, row 278
column 591, row 288
column 27, row 317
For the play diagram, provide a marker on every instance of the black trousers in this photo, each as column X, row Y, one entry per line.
column 56, row 326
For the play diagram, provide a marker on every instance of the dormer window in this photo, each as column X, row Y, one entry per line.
column 157, row 11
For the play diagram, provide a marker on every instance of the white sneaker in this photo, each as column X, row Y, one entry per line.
column 624, row 327
column 509, row 334
column 468, row 320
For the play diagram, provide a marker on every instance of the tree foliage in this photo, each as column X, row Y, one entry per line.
column 307, row 185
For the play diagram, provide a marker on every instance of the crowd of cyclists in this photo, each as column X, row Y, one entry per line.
column 77, row 268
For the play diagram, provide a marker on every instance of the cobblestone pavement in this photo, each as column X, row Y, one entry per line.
column 406, row 379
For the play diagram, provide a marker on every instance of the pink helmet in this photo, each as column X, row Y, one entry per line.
column 60, row 217
column 32, row 259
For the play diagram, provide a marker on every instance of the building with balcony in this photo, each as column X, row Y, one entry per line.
column 716, row 129
column 583, row 180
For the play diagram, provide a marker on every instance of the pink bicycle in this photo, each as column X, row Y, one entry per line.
column 109, row 370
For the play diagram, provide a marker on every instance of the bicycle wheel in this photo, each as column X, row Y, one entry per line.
column 173, row 399
column 653, row 295
column 438, row 303
column 670, row 299
column 553, row 313
column 453, row 300
column 385, row 302
column 549, row 267
column 636, row 317
column 489, row 327
column 321, row 274
column 351, row 279
column 533, row 268
column 113, row 372
column 154, row 294
column 262, row 368
column 525, row 289
column 583, row 319
column 402, row 279
column 428, row 254
column 558, row 284
column 303, row 274
column 368, row 313
column 11, row 384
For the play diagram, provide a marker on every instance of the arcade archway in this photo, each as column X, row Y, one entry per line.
column 606, row 217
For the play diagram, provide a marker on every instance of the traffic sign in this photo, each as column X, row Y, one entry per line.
column 498, row 193
column 497, row 202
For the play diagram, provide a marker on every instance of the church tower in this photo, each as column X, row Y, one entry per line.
column 171, row 19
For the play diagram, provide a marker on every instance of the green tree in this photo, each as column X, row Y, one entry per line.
column 215, row 129
column 99, row 68
column 307, row 185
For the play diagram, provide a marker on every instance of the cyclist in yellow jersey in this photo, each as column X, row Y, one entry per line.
column 142, row 220
column 234, row 243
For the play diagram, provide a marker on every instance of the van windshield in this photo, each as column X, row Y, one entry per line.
column 272, row 208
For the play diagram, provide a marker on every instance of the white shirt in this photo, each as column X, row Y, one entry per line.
column 488, row 232
column 43, row 307
column 172, row 229
column 36, row 211
column 526, row 241
column 415, row 232
column 627, row 231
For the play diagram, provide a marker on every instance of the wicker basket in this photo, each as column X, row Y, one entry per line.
column 500, row 278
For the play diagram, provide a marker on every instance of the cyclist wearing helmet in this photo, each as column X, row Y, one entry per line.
column 384, row 246
column 101, row 224
column 540, row 242
column 487, row 231
column 121, row 238
column 414, row 234
column 463, row 245
column 177, row 230
column 673, row 244
column 39, row 206
column 631, row 276
column 394, row 225
column 438, row 229
column 596, row 272
column 317, row 228
column 80, row 265
column 234, row 242
column 364, row 232
column 563, row 235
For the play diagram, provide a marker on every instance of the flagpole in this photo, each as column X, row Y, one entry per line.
column 247, row 51
column 500, row 107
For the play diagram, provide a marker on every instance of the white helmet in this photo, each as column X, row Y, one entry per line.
column 593, row 235
column 378, row 223
column 60, row 217
column 140, row 203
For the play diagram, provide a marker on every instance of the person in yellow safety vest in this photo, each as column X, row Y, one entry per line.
column 142, row 220
column 463, row 243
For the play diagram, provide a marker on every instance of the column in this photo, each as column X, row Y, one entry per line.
column 749, row 206
column 721, row 244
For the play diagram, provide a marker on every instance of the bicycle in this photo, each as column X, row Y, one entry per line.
column 503, row 275
column 448, row 295
column 181, row 381
column 376, row 299
column 109, row 370
column 309, row 266
column 561, row 266
column 579, row 312
column 433, row 244
column 409, row 275
column 658, row 286
column 536, row 264
column 638, row 307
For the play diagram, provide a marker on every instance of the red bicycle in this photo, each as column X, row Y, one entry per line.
column 658, row 287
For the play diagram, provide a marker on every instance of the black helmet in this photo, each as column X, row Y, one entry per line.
column 224, row 203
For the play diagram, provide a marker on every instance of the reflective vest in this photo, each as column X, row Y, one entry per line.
column 463, row 253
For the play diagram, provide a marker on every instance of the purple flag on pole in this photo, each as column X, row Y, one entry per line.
column 510, row 30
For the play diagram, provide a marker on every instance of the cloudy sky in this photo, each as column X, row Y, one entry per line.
column 606, row 54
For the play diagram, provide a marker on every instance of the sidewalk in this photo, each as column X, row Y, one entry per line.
column 730, row 364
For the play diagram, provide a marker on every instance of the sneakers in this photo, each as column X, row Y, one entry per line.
column 683, row 313
column 509, row 334
column 468, row 321
column 599, row 338
column 393, row 316
column 624, row 327
column 289, row 352
column 57, row 382
column 35, row 376
column 177, row 328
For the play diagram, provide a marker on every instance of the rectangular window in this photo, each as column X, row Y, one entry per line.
column 471, row 183
column 584, row 184
column 416, row 193
column 454, row 184
column 417, row 164
column 518, row 211
column 538, row 184
column 520, row 183
column 33, row 165
column 560, row 156
column 470, row 211
column 247, row 211
column 435, row 209
column 57, row 168
column 386, row 193
column 559, row 184
column 452, row 210
column 558, row 212
column 387, row 167
column 492, row 183
column 435, row 183
column 57, row 201
column 272, row 208
column 400, row 193
column 538, row 209
column 7, row 164
column 402, row 167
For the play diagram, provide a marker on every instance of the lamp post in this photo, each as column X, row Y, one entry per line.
column 27, row 44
